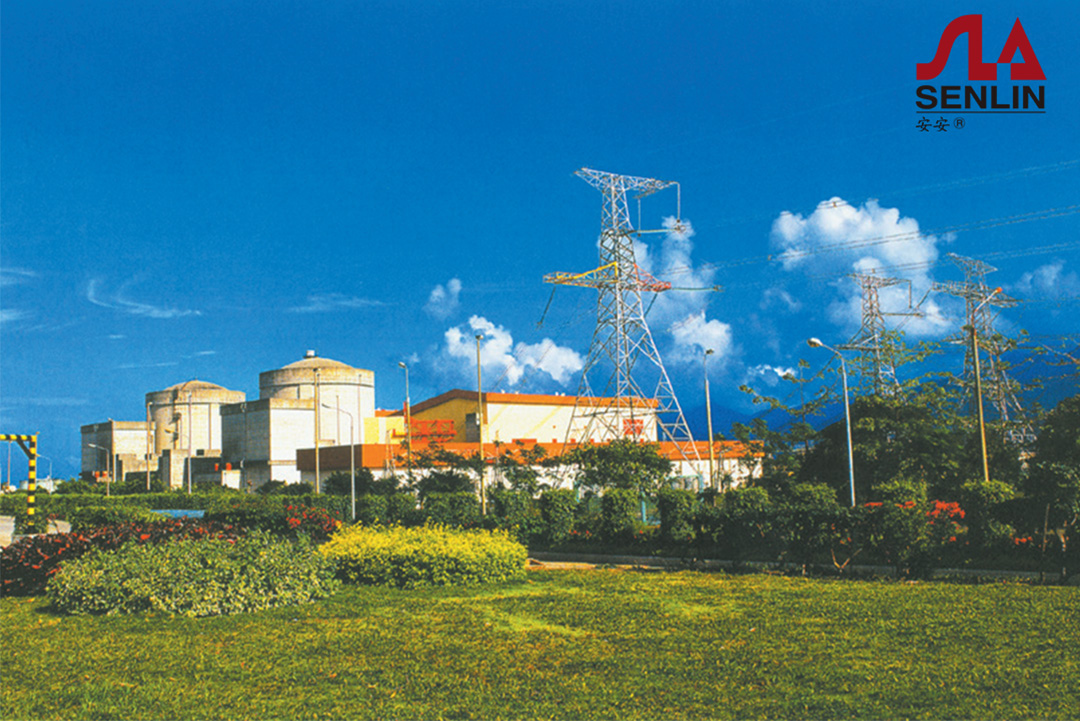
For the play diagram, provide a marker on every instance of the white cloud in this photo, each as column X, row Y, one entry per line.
column 839, row 238
column 499, row 354
column 1049, row 281
column 770, row 375
column 10, row 315
column 15, row 276
column 695, row 334
column 778, row 297
column 331, row 302
column 683, row 312
column 118, row 301
column 444, row 300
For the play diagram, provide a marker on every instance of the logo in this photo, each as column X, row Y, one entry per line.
column 983, row 93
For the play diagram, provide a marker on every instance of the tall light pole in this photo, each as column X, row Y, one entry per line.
column 352, row 451
column 815, row 343
column 190, row 452
column 408, row 419
column 978, row 385
column 108, row 465
column 480, row 424
column 148, row 432
column 317, row 431
column 708, row 412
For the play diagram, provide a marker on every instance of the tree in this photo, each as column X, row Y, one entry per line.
column 366, row 484
column 622, row 463
column 1059, row 438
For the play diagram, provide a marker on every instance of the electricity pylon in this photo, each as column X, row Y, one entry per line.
column 980, row 303
column 638, row 392
column 877, row 354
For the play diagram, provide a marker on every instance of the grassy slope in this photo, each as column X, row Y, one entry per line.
column 568, row 645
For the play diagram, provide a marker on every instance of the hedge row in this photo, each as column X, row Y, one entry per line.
column 428, row 555
column 204, row 577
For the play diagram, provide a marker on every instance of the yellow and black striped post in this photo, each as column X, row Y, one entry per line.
column 29, row 445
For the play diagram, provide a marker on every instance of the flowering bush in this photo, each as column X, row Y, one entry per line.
column 291, row 519
column 429, row 555
column 27, row 565
column 194, row 577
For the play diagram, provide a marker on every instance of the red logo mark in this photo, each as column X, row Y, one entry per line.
column 977, row 69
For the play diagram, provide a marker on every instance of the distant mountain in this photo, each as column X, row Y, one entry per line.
column 722, row 416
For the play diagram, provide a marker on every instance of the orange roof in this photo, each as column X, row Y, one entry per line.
column 532, row 399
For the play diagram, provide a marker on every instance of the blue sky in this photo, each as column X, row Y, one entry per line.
column 209, row 189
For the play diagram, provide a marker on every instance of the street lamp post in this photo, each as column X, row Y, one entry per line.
column 480, row 424
column 318, row 430
column 352, row 451
column 815, row 343
column 408, row 419
column 108, row 465
column 978, row 385
column 708, row 413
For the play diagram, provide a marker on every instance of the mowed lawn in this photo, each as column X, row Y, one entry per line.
column 568, row 644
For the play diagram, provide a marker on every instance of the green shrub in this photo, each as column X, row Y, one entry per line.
column 452, row 509
column 288, row 519
column 372, row 509
column 401, row 508
column 618, row 509
column 676, row 516
column 428, row 555
column 516, row 512
column 194, row 577
column 557, row 513
column 87, row 517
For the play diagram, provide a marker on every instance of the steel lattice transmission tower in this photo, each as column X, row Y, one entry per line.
column 638, row 388
column 877, row 356
column 980, row 314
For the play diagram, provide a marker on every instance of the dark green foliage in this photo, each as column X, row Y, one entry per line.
column 516, row 512
column 809, row 518
column 194, row 578
column 281, row 488
column 80, row 487
column 87, row 517
column 982, row 502
column 366, row 484
column 372, row 509
column 284, row 519
column 624, row 463
column 444, row 481
column 452, row 509
column 676, row 517
column 517, row 465
column 747, row 524
column 1059, row 437
column 557, row 511
column 618, row 509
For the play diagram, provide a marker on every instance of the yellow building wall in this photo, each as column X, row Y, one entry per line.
column 455, row 410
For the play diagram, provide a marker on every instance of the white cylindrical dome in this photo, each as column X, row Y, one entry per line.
column 187, row 415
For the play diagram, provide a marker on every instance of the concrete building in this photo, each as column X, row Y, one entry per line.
column 260, row 438
column 183, row 421
column 113, row 448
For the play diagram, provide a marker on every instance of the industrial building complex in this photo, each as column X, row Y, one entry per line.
column 197, row 432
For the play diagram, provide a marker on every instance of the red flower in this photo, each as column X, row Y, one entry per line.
column 144, row 536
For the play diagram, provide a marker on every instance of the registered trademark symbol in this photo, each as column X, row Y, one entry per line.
column 958, row 122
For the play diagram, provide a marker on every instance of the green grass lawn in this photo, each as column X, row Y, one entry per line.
column 568, row 644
